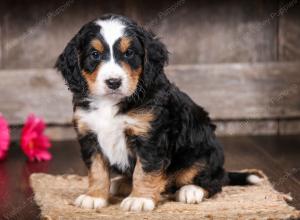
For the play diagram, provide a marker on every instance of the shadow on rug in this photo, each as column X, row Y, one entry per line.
column 55, row 196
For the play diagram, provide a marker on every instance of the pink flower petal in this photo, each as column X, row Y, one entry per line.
column 33, row 141
column 4, row 137
column 43, row 156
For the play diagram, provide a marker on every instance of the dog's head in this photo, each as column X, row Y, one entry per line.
column 111, row 56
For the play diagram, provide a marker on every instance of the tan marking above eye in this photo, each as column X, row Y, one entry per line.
column 125, row 43
column 97, row 44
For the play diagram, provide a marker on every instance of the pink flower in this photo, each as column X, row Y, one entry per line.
column 4, row 137
column 33, row 141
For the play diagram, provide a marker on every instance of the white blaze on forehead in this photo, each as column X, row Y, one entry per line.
column 111, row 30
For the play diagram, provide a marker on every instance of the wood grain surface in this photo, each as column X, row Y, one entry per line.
column 289, row 31
column 227, row 91
column 194, row 31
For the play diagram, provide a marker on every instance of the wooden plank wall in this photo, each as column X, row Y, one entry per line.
column 240, row 59
column 35, row 32
column 289, row 34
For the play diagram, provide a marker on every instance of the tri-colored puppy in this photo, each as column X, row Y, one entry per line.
column 131, row 119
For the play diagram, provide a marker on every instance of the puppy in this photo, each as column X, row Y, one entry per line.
column 130, row 119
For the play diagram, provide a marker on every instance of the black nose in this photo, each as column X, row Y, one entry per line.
column 113, row 83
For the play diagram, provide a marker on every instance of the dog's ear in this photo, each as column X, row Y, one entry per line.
column 68, row 64
column 156, row 53
column 155, row 56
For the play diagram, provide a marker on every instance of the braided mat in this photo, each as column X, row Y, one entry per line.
column 55, row 195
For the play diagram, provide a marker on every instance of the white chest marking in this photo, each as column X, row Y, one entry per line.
column 109, row 128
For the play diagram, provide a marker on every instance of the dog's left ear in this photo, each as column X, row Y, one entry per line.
column 155, row 55
column 156, row 52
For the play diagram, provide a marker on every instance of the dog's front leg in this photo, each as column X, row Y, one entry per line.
column 146, row 190
column 98, row 175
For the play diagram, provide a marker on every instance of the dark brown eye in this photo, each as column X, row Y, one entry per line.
column 95, row 55
column 129, row 54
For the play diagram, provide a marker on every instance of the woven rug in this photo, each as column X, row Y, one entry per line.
column 55, row 196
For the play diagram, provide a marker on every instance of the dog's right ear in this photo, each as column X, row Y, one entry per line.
column 68, row 64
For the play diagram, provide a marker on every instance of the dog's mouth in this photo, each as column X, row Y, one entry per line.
column 114, row 94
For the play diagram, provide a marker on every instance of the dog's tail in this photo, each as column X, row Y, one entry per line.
column 245, row 177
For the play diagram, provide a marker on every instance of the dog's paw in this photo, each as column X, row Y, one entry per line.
column 137, row 204
column 190, row 194
column 89, row 202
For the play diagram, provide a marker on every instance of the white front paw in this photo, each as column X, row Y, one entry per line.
column 137, row 204
column 89, row 202
column 190, row 194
